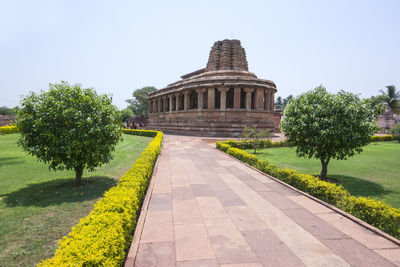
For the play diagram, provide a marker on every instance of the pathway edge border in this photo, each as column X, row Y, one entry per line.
column 341, row 212
column 137, row 234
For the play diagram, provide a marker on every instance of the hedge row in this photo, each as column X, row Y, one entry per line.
column 102, row 237
column 376, row 213
column 8, row 129
column 379, row 138
column 140, row 132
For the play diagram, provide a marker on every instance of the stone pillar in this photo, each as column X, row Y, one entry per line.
column 272, row 101
column 178, row 101
column 159, row 109
column 186, row 100
column 162, row 104
column 267, row 103
column 170, row 102
column 223, row 91
column 248, row 97
column 211, row 98
column 236, row 98
column 149, row 106
column 200, row 98
column 259, row 105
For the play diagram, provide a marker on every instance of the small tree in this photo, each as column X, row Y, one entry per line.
column 328, row 126
column 256, row 137
column 126, row 113
column 69, row 127
column 139, row 102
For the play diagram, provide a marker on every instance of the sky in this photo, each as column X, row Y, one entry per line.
column 119, row 46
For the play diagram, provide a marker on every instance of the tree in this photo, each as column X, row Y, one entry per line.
column 139, row 102
column 281, row 103
column 126, row 113
column 69, row 127
column 392, row 98
column 328, row 126
column 256, row 137
column 7, row 111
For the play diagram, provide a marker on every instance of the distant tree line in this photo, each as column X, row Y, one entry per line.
column 7, row 111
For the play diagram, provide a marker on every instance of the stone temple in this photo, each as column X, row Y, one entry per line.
column 218, row 100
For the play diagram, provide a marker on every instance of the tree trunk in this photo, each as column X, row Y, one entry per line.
column 78, row 175
column 324, row 170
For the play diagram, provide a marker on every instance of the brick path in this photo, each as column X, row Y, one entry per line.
column 207, row 209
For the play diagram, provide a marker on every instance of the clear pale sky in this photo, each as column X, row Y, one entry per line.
column 119, row 46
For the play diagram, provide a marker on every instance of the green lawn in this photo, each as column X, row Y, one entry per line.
column 375, row 172
column 38, row 206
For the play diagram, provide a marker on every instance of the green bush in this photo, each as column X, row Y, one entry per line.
column 264, row 143
column 380, row 138
column 8, row 129
column 376, row 213
column 140, row 132
column 102, row 237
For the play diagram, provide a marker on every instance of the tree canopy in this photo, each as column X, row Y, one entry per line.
column 126, row 113
column 329, row 126
column 7, row 111
column 69, row 127
column 138, row 103
column 392, row 98
column 281, row 103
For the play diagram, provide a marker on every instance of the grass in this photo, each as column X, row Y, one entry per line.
column 38, row 206
column 375, row 172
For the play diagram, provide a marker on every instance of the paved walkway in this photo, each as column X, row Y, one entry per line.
column 207, row 209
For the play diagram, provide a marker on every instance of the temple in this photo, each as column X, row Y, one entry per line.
column 219, row 100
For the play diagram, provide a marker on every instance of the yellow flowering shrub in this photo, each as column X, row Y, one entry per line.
column 8, row 129
column 102, row 237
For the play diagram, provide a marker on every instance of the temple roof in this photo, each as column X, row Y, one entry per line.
column 227, row 55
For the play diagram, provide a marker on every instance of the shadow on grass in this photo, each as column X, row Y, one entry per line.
column 10, row 161
column 360, row 187
column 59, row 191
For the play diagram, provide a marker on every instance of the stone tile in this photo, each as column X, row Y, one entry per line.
column 160, row 202
column 229, row 198
column 257, row 185
column 210, row 207
column 245, row 218
column 180, row 180
column 192, row 242
column 278, row 187
column 198, row 263
column 228, row 243
column 304, row 245
column 270, row 250
column 197, row 179
column 357, row 232
column 186, row 211
column 237, row 185
column 250, row 264
column 217, row 184
column 279, row 200
column 239, row 173
column 158, row 227
column 390, row 254
column 310, row 204
column 356, row 254
column 162, row 187
column 202, row 190
column 182, row 192
column 158, row 254
column 225, row 163
column 314, row 225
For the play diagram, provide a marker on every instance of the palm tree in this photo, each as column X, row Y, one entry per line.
column 392, row 98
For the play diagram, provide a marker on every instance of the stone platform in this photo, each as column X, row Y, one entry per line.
column 204, row 208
